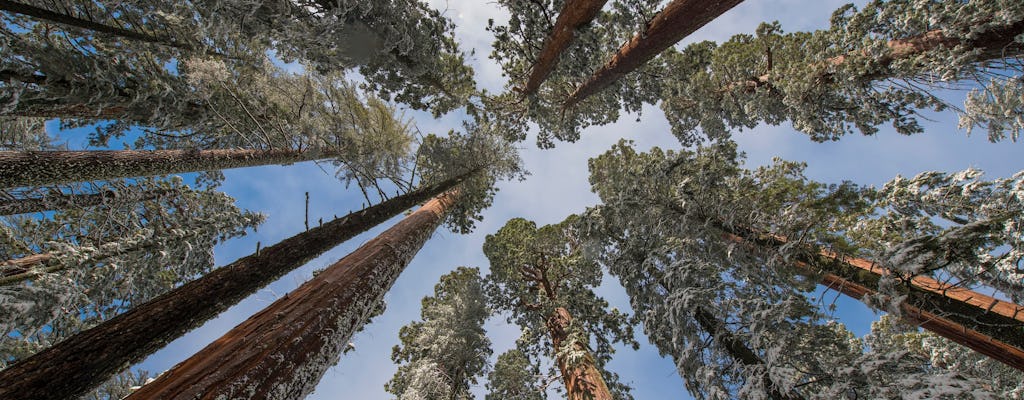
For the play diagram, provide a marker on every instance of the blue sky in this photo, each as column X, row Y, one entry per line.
column 557, row 187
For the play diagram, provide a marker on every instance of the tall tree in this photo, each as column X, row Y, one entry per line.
column 96, row 263
column 442, row 355
column 514, row 377
column 881, row 64
column 677, row 20
column 574, row 14
column 672, row 257
column 540, row 276
column 147, row 327
column 56, row 199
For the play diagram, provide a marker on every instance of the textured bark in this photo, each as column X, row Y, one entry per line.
column 17, row 269
column 738, row 350
column 282, row 351
column 984, row 324
column 70, row 20
column 90, row 357
column 42, row 168
column 992, row 45
column 61, row 201
column 583, row 381
column 574, row 14
column 677, row 20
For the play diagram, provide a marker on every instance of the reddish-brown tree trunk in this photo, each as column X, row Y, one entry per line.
column 42, row 168
column 677, row 20
column 987, row 325
column 282, row 351
column 583, row 381
column 90, row 357
column 574, row 14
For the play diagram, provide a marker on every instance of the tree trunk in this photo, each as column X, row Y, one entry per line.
column 88, row 358
column 56, row 200
column 42, row 168
column 70, row 20
column 987, row 325
column 739, row 351
column 677, row 20
column 282, row 351
column 574, row 14
column 583, row 381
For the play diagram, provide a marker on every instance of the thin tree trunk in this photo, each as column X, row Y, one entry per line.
column 43, row 168
column 987, row 325
column 282, row 351
column 583, row 381
column 60, row 201
column 70, row 20
column 677, row 20
column 574, row 14
column 90, row 357
column 739, row 351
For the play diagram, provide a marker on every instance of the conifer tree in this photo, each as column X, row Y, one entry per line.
column 442, row 355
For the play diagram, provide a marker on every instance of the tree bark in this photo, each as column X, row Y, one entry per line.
column 282, row 351
column 56, row 200
column 583, row 381
column 43, row 168
column 677, row 20
column 739, row 351
column 90, row 357
column 982, row 323
column 574, row 14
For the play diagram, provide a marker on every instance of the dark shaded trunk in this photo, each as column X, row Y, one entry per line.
column 583, row 381
column 982, row 323
column 55, row 200
column 738, row 350
column 283, row 350
column 43, row 168
column 574, row 14
column 677, row 20
column 70, row 20
column 90, row 357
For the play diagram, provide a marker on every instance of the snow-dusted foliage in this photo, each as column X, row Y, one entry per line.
column 515, row 377
column 540, row 277
column 24, row 134
column 877, row 65
column 442, row 355
column 516, row 48
column 101, row 261
column 740, row 318
column 954, row 226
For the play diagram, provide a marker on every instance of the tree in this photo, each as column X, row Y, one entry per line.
column 303, row 334
column 514, row 377
column 94, row 264
column 677, row 20
column 442, row 355
column 516, row 50
column 660, row 229
column 539, row 275
column 56, row 199
column 147, row 327
column 573, row 16
column 881, row 64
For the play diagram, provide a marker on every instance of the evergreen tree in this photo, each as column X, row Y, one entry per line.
column 514, row 377
column 540, row 277
column 442, row 355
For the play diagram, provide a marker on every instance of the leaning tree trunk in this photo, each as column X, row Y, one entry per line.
column 982, row 323
column 282, row 351
column 90, row 357
column 42, row 168
column 677, row 20
column 55, row 200
column 739, row 351
column 583, row 381
column 574, row 14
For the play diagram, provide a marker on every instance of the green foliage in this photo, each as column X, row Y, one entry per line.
column 514, row 377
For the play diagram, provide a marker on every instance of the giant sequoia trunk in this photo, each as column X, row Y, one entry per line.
column 982, row 323
column 677, row 20
column 583, row 381
column 41, row 168
column 282, row 351
column 88, row 358
column 574, row 14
